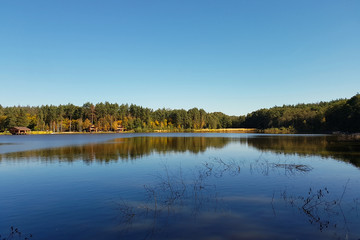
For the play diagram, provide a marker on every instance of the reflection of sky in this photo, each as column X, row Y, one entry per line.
column 62, row 200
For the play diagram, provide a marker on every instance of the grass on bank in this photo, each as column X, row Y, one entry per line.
column 282, row 130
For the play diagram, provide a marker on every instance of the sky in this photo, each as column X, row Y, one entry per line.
column 229, row 56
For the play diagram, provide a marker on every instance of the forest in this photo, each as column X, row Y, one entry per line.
column 341, row 115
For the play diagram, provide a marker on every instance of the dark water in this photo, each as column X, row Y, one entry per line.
column 180, row 186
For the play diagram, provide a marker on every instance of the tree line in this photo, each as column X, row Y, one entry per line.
column 338, row 115
column 109, row 116
column 341, row 115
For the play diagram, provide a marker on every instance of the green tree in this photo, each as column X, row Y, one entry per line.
column 21, row 119
column 69, row 111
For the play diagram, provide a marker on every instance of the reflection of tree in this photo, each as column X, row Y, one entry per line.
column 123, row 148
column 324, row 146
column 132, row 148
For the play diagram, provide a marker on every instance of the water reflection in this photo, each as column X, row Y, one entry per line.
column 324, row 146
column 235, row 193
column 122, row 148
column 175, row 195
column 136, row 147
column 325, row 209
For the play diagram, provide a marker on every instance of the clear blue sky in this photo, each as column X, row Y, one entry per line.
column 229, row 56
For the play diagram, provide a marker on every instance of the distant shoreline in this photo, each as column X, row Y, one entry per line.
column 229, row 130
column 220, row 130
column 340, row 115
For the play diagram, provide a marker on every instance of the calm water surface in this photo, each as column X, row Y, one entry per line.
column 180, row 186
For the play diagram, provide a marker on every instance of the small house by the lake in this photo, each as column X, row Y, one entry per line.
column 92, row 128
column 120, row 129
column 19, row 130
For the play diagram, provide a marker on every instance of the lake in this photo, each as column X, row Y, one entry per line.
column 180, row 186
